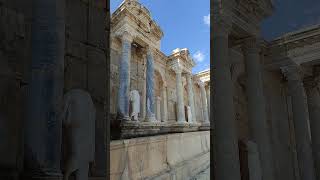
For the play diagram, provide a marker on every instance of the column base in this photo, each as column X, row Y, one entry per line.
column 123, row 118
column 151, row 118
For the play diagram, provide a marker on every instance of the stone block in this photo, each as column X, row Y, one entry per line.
column 179, row 156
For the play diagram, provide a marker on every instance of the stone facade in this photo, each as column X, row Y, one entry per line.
column 165, row 84
column 265, row 96
column 167, row 90
column 42, row 57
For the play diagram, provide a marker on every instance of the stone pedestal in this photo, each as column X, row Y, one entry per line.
column 124, row 78
column 45, row 91
column 300, row 121
column 257, row 107
column 226, row 141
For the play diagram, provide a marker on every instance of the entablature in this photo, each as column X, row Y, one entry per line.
column 136, row 19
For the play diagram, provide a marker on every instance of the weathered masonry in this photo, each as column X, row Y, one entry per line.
column 160, row 110
column 266, row 96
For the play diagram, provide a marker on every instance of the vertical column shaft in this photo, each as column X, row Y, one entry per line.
column 225, row 138
column 150, row 86
column 314, row 113
column 124, row 77
column 164, row 105
column 180, row 104
column 204, row 103
column 158, row 109
column 45, row 92
column 144, row 94
column 257, row 108
column 208, row 101
column 191, row 99
column 300, row 121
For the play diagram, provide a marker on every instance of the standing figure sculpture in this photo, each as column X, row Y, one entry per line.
column 79, row 121
column 135, row 104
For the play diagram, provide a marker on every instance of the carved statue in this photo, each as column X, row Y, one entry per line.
column 135, row 104
column 189, row 113
column 79, row 121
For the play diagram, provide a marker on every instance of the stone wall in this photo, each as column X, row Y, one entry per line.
column 171, row 156
column 163, row 76
column 85, row 67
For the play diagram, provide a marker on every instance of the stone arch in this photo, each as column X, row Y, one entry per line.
column 161, row 73
column 159, row 94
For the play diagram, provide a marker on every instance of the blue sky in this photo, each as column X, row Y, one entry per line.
column 185, row 25
column 291, row 15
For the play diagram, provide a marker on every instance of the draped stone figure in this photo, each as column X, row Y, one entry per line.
column 135, row 104
column 79, row 121
column 189, row 113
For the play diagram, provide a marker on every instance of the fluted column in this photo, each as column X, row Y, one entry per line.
column 300, row 121
column 42, row 150
column 124, row 77
column 225, row 139
column 164, row 105
column 179, row 93
column 314, row 114
column 257, row 107
column 150, row 116
column 204, row 103
column 190, row 97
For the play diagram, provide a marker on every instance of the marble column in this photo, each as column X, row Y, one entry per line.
column 124, row 78
column 158, row 109
column 208, row 101
column 144, row 93
column 259, row 129
column 150, row 116
column 164, row 105
column 179, row 93
column 42, row 143
column 225, row 136
column 204, row 103
column 190, row 97
column 314, row 114
column 300, row 121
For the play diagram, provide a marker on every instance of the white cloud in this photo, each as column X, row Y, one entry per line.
column 206, row 19
column 198, row 56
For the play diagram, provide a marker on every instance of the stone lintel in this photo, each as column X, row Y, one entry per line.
column 133, row 129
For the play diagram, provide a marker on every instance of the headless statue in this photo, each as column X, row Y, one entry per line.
column 79, row 121
column 135, row 104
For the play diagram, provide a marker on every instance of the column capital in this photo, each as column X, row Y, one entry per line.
column 126, row 36
column 292, row 72
column 221, row 26
column 177, row 69
column 188, row 75
column 251, row 45
column 201, row 84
